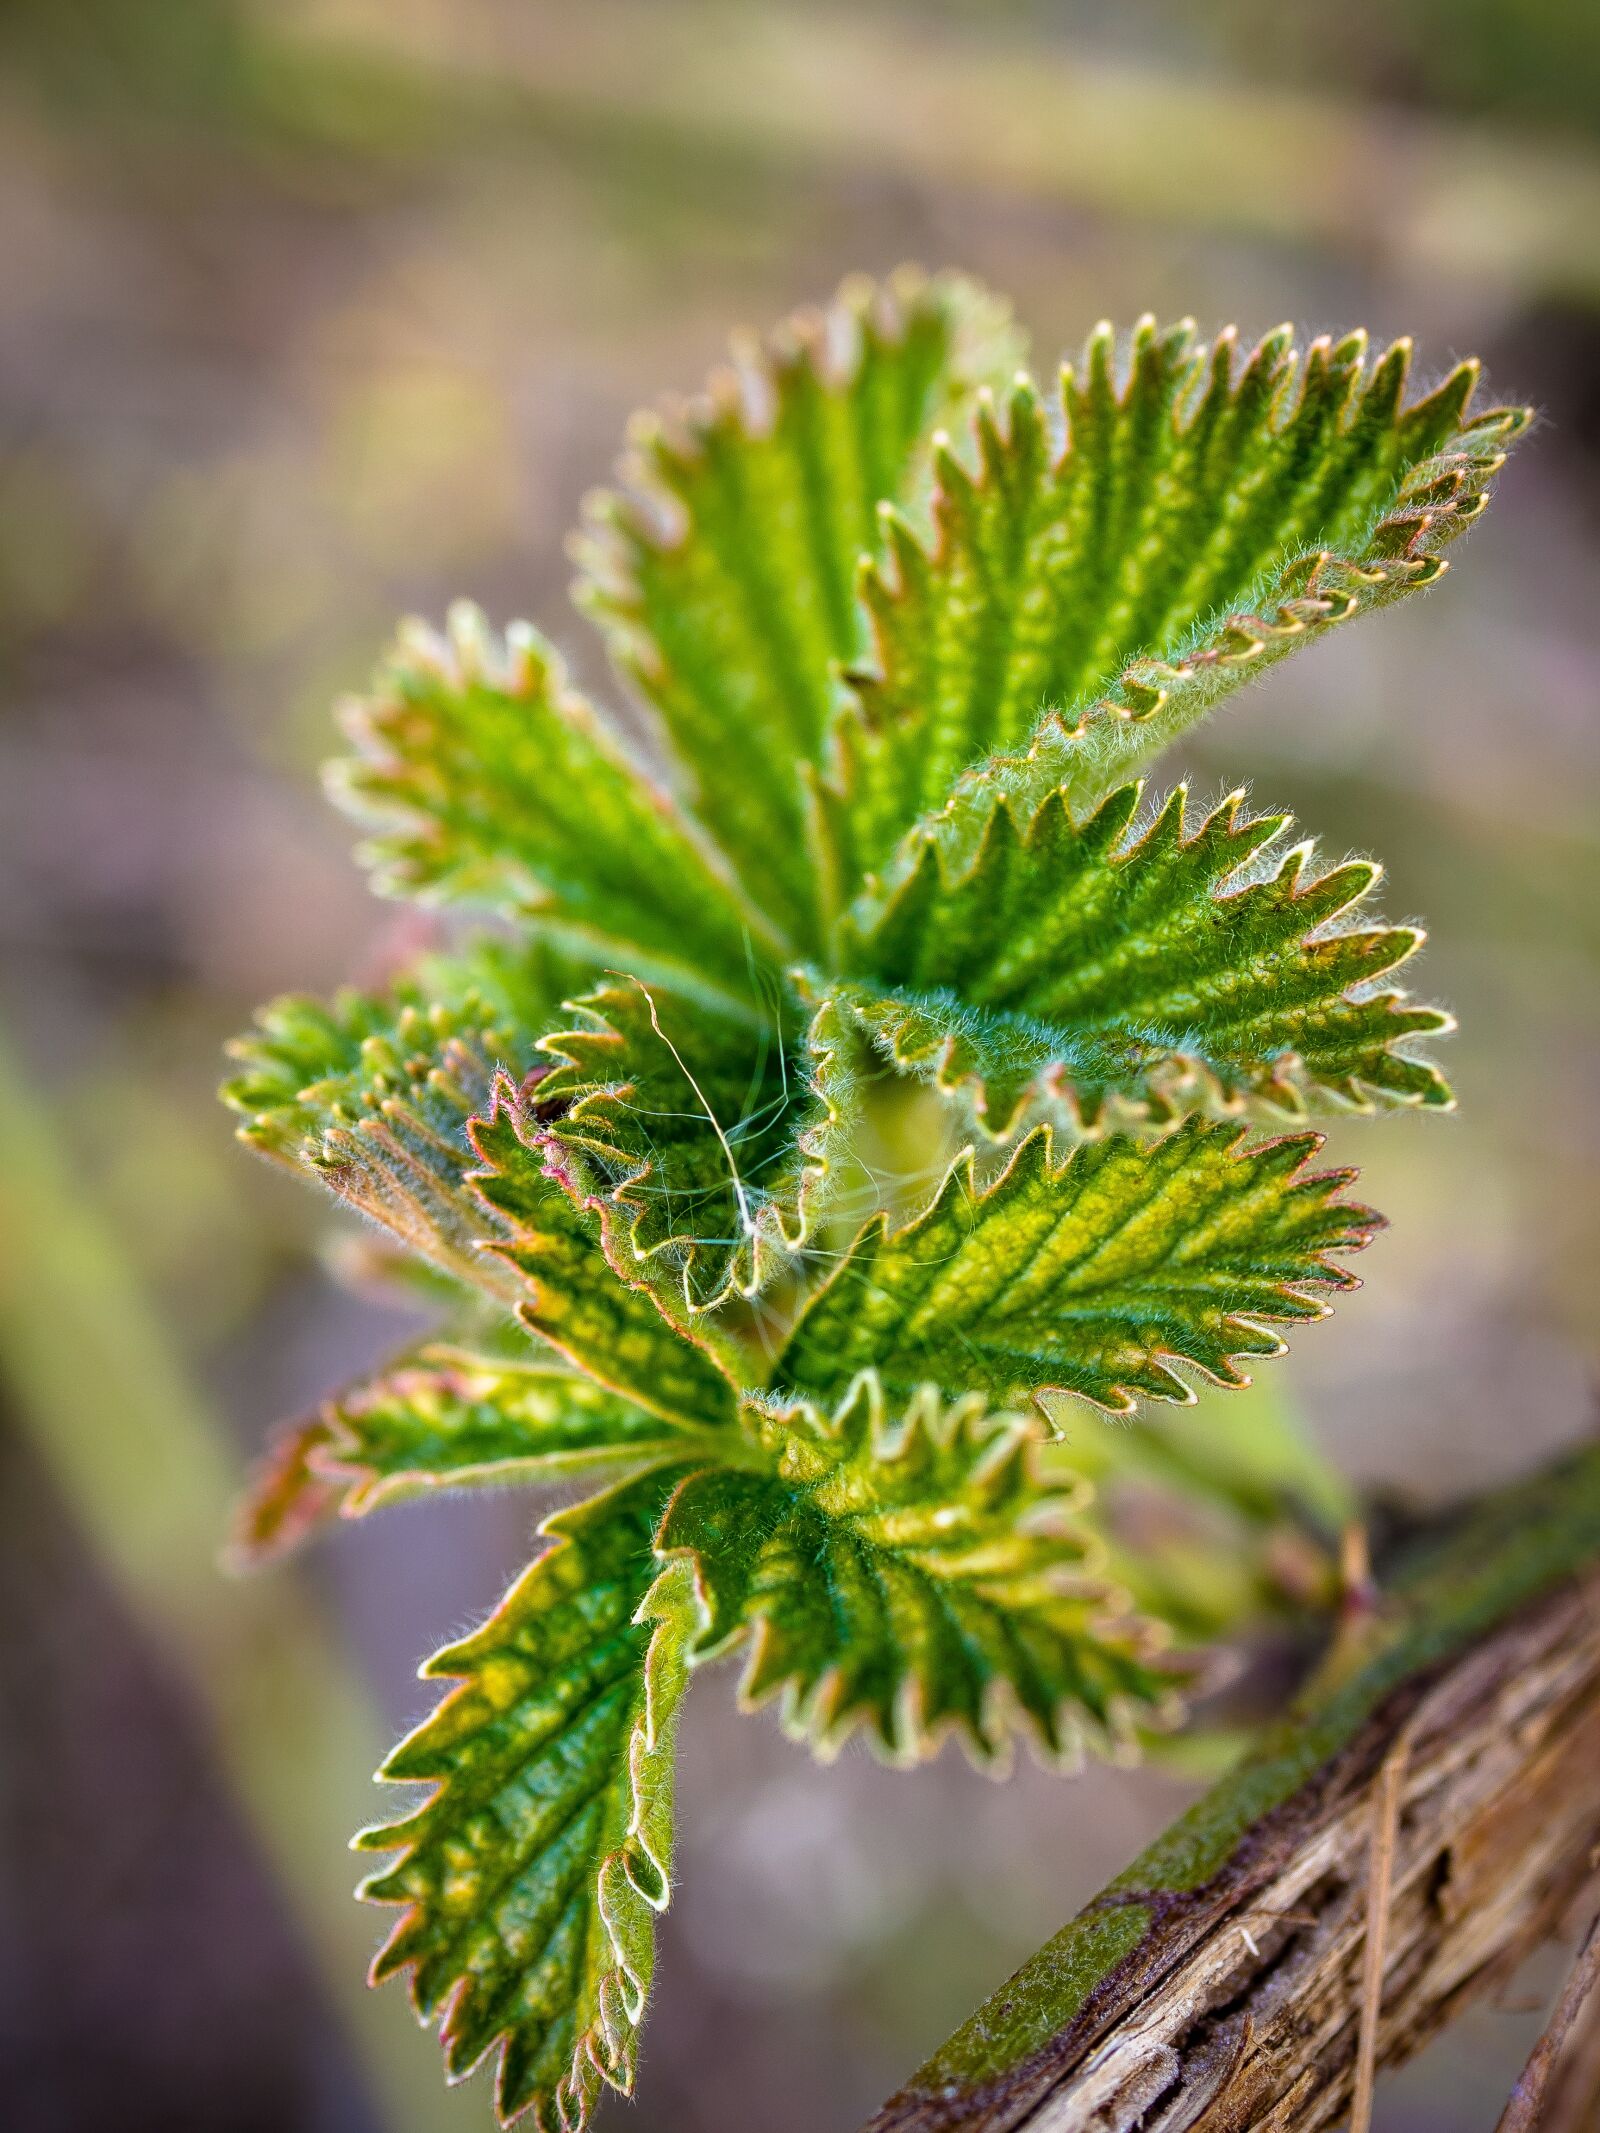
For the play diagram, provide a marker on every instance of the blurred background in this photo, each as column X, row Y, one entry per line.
column 322, row 310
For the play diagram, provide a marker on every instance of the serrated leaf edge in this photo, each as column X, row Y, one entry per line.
column 772, row 1237
column 814, row 1718
column 829, row 338
column 522, row 664
column 1191, row 1084
column 518, row 1101
column 634, row 1878
column 1437, row 499
column 1365, row 1223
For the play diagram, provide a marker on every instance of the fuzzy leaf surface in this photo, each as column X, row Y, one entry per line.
column 1084, row 605
column 708, row 1140
column 440, row 1416
column 531, row 1877
column 725, row 576
column 488, row 780
column 910, row 1573
column 1094, row 1275
column 1109, row 963
column 371, row 1093
column 286, row 1499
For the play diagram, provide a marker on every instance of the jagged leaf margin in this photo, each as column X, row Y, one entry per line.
column 575, row 1288
column 1074, row 583
column 1122, row 971
column 597, row 1595
column 1094, row 1276
column 708, row 1147
column 423, row 1115
column 488, row 780
column 911, row 1574
column 723, row 571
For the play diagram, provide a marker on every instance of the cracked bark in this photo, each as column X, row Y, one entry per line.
column 1216, row 1986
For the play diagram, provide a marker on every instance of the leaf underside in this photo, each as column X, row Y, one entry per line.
column 373, row 1093
column 425, row 1118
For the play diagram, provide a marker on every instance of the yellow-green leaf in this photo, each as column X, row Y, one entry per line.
column 487, row 780
column 530, row 1879
column 1159, row 966
column 725, row 574
column 1095, row 1275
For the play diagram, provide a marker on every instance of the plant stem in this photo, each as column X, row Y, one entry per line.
column 1526, row 2110
column 1224, row 1969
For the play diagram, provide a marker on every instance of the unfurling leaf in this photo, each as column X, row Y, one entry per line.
column 531, row 1876
column 372, row 1094
column 1086, row 604
column 909, row 1572
column 1140, row 966
column 711, row 1136
column 426, row 1119
column 725, row 578
column 1093, row 1276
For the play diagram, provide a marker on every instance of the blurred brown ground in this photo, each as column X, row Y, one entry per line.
column 318, row 312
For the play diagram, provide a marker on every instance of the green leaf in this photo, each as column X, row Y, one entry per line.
column 725, row 576
column 911, row 1573
column 1093, row 1276
column 1151, row 965
column 531, row 1877
column 712, row 1141
column 571, row 1293
column 1198, row 524
column 489, row 781
column 309, row 1064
